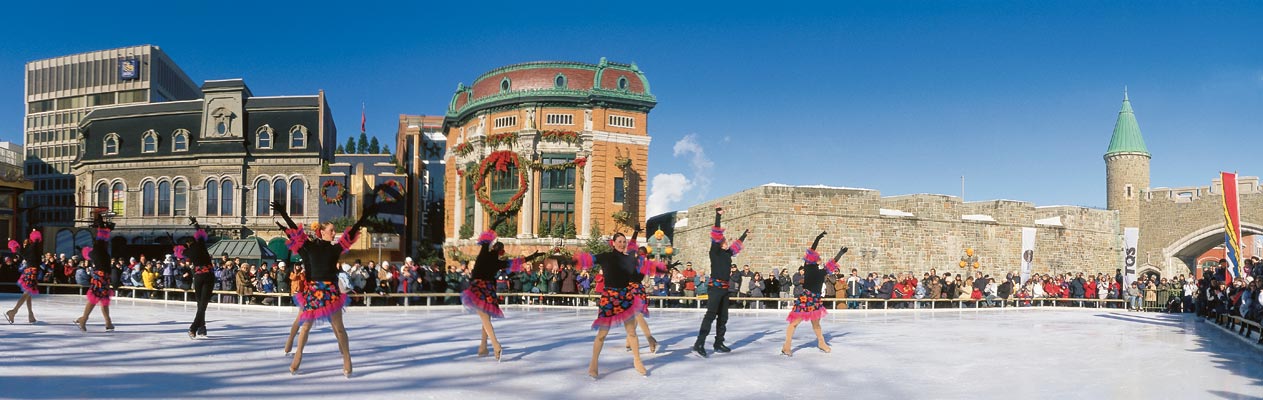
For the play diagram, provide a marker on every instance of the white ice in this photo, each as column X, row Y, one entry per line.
column 430, row 353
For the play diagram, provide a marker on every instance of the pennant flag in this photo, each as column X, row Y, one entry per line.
column 1232, row 227
column 363, row 118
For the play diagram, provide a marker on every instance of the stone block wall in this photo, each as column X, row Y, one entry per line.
column 783, row 221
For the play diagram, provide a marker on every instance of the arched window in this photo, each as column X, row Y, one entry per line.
column 263, row 196
column 102, row 195
column 505, row 84
column 560, row 81
column 298, row 137
column 212, row 198
column 180, row 140
column 164, row 198
column 263, row 137
column 181, row 199
column 296, row 197
column 149, row 142
column 118, row 198
column 278, row 191
column 226, row 196
column 622, row 83
column 147, row 199
column 111, row 144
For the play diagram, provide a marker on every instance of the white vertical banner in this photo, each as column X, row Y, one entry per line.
column 1130, row 237
column 1028, row 252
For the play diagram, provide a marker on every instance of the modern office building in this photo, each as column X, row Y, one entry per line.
column 60, row 91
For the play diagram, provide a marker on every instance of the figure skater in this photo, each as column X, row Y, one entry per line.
column 808, row 306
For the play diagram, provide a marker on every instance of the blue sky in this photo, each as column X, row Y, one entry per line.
column 902, row 97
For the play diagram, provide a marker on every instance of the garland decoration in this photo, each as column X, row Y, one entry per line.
column 570, row 137
column 500, row 160
column 339, row 192
column 494, row 141
column 463, row 149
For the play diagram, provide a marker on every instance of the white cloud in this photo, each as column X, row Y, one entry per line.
column 700, row 164
column 665, row 190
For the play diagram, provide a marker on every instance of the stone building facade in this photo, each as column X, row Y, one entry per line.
column 222, row 158
column 583, row 128
column 912, row 233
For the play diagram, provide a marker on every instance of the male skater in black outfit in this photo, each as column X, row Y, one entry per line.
column 721, row 253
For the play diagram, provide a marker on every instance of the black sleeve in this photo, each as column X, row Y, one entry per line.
column 718, row 218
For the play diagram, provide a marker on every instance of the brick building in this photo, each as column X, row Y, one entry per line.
column 564, row 146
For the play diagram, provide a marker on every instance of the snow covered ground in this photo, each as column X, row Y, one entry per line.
column 430, row 353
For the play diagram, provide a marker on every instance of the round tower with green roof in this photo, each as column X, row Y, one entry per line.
column 1126, row 167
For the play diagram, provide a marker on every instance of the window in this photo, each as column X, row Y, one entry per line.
column 262, row 196
column 149, row 142
column 263, row 137
column 70, row 102
column 180, row 140
column 622, row 83
column 559, row 119
column 147, row 199
column 278, row 191
column 619, row 190
column 505, row 122
column 181, row 198
column 622, row 122
column 226, row 196
column 560, row 81
column 556, row 219
column 296, row 197
column 212, row 198
column 111, row 144
column 40, row 106
column 164, row 198
column 507, row 180
column 133, row 96
column 505, row 84
column 118, row 196
column 102, row 196
column 102, row 99
column 469, row 204
column 298, row 137
column 557, row 178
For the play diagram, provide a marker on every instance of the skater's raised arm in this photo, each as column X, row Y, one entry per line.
column 832, row 266
column 817, row 242
column 279, row 208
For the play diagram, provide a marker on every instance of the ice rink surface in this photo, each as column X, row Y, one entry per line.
column 431, row 353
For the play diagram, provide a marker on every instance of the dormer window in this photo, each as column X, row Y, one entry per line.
column 298, row 137
column 263, row 137
column 149, row 142
column 560, row 81
column 180, row 140
column 622, row 83
column 111, row 144
column 505, row 84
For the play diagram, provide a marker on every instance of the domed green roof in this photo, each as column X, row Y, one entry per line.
column 1127, row 138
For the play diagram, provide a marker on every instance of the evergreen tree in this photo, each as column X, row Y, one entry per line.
column 386, row 149
column 374, row 147
column 350, row 146
column 339, row 150
column 362, row 146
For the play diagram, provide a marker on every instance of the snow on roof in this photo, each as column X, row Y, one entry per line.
column 977, row 217
column 774, row 184
column 893, row 213
column 683, row 222
column 1050, row 221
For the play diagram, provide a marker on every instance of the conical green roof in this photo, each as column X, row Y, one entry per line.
column 1127, row 138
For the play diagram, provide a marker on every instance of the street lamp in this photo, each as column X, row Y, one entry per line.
column 379, row 241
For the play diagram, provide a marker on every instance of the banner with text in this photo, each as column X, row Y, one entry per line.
column 1028, row 252
column 1131, row 236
